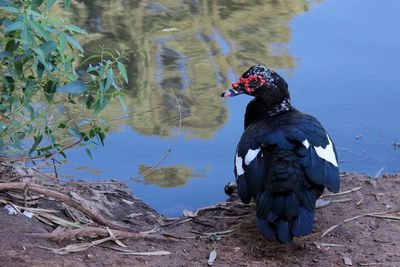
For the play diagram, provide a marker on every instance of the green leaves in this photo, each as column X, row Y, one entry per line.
column 63, row 42
column 39, row 29
column 73, row 28
column 67, row 4
column 37, row 140
column 74, row 42
column 16, row 26
column 122, row 71
column 35, row 4
column 8, row 7
column 48, row 47
column 49, row 4
column 42, row 96
column 75, row 87
column 109, row 80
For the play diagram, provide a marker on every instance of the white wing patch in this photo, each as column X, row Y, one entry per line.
column 306, row 143
column 251, row 154
column 326, row 153
column 239, row 166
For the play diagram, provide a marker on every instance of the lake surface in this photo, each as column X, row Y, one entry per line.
column 340, row 59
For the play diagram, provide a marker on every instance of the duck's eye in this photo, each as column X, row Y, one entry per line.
column 254, row 80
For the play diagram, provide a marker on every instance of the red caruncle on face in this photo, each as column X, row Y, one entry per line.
column 250, row 83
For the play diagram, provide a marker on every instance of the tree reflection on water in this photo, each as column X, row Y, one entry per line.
column 193, row 47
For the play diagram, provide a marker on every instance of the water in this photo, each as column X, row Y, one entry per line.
column 339, row 57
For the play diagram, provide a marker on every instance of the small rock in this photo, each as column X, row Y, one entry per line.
column 347, row 261
column 10, row 210
column 212, row 257
column 322, row 203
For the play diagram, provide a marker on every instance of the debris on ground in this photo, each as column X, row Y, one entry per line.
column 46, row 222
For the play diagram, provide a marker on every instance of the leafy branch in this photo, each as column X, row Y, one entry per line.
column 42, row 95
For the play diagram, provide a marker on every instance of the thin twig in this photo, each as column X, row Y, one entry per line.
column 352, row 219
column 233, row 217
column 130, row 252
column 177, row 222
column 389, row 263
column 341, row 200
column 44, row 174
column 344, row 192
column 384, row 216
column 171, row 148
column 55, row 167
column 330, row 245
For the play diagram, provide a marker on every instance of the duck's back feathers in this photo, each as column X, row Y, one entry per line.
column 297, row 132
column 284, row 162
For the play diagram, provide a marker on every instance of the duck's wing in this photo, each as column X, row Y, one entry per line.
column 298, row 132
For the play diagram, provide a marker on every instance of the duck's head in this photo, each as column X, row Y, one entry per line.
column 260, row 82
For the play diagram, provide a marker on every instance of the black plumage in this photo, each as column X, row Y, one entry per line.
column 284, row 159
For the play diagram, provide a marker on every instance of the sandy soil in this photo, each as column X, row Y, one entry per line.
column 228, row 228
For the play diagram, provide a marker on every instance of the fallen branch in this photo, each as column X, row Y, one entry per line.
column 92, row 232
column 329, row 245
column 89, row 211
column 177, row 222
column 131, row 252
column 234, row 217
column 354, row 218
column 384, row 216
column 388, row 263
column 78, row 247
column 341, row 200
column 344, row 192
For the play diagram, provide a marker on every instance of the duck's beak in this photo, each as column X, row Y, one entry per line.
column 231, row 92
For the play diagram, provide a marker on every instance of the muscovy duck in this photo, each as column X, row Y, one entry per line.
column 284, row 159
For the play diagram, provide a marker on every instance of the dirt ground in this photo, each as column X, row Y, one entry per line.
column 367, row 231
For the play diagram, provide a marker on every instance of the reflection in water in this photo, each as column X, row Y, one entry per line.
column 196, row 47
column 172, row 176
column 192, row 47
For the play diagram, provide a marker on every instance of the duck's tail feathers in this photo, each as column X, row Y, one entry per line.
column 281, row 217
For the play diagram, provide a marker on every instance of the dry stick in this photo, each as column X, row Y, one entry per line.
column 389, row 263
column 233, row 217
column 344, row 192
column 64, row 198
column 55, row 167
column 384, row 217
column 354, row 218
column 44, row 174
column 341, row 200
column 177, row 222
column 130, row 252
column 98, row 232
column 330, row 245
column 172, row 147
